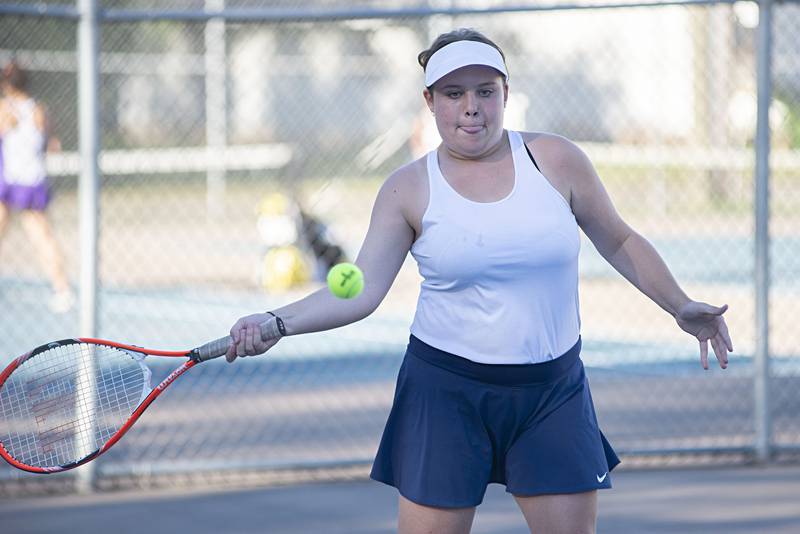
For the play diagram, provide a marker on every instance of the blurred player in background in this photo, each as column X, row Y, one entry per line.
column 24, row 188
column 492, row 387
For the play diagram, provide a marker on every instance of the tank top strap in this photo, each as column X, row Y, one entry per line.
column 436, row 181
column 522, row 162
column 515, row 140
column 529, row 175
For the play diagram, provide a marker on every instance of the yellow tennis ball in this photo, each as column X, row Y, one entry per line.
column 346, row 280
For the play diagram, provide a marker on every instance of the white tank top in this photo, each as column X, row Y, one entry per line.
column 500, row 279
column 23, row 147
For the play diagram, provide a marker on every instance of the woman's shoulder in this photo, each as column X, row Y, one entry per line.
column 556, row 152
column 7, row 119
column 550, row 145
column 410, row 178
column 562, row 161
column 407, row 187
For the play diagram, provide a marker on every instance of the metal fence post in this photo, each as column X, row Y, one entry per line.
column 216, row 80
column 761, row 360
column 88, row 102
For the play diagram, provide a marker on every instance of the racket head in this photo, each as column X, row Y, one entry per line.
column 61, row 403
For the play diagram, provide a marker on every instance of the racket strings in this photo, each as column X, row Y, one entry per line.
column 61, row 405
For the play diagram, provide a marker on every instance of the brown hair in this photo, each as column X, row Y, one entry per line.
column 460, row 34
column 14, row 76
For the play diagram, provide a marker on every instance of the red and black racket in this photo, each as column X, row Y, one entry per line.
column 67, row 402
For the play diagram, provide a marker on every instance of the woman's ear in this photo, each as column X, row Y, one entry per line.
column 428, row 98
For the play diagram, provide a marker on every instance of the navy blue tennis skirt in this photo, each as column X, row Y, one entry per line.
column 457, row 425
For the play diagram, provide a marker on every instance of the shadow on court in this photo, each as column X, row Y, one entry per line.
column 680, row 501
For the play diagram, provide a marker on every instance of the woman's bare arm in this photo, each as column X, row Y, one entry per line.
column 633, row 256
column 382, row 253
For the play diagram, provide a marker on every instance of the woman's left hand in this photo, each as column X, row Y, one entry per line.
column 705, row 322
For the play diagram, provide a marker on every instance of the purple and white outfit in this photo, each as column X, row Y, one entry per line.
column 23, row 177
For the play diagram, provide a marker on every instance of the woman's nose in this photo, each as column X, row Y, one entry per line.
column 470, row 105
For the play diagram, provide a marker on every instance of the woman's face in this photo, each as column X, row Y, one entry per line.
column 468, row 104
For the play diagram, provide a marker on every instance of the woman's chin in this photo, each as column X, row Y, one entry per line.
column 473, row 145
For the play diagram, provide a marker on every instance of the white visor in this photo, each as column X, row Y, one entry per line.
column 460, row 54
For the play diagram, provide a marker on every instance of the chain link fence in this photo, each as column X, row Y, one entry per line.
column 239, row 159
column 785, row 193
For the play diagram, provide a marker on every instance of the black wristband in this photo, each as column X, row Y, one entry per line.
column 279, row 321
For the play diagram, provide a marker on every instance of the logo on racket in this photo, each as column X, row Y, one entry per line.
column 170, row 379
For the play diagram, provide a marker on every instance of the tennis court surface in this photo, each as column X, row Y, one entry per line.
column 763, row 500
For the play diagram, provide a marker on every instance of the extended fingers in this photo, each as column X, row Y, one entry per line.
column 704, row 354
column 721, row 342
column 726, row 337
column 720, row 347
column 720, row 350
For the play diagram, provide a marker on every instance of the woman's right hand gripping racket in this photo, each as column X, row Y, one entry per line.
column 67, row 402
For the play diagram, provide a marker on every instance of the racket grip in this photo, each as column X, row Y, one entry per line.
column 218, row 347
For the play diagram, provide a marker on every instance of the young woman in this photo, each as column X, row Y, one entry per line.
column 23, row 178
column 492, row 388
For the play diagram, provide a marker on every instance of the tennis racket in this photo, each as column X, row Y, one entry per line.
column 67, row 402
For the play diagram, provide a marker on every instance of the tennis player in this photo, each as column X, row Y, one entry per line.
column 492, row 388
column 24, row 138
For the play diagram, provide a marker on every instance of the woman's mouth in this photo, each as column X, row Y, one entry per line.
column 471, row 129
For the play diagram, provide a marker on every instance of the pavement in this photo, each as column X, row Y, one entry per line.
column 729, row 500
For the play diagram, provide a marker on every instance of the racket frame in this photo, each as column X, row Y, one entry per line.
column 272, row 328
column 193, row 359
